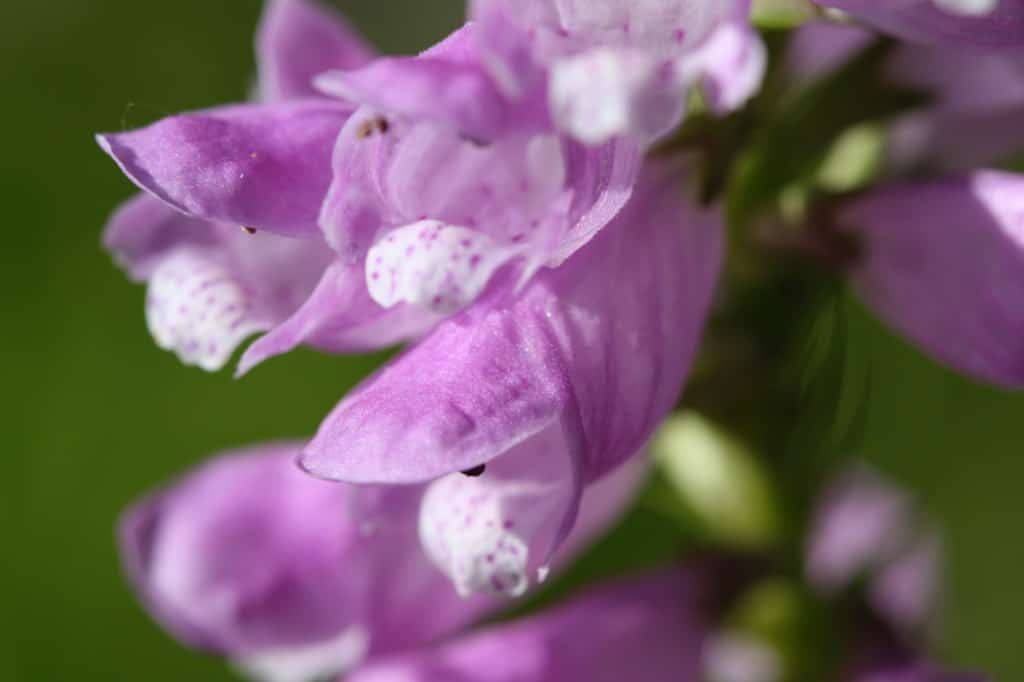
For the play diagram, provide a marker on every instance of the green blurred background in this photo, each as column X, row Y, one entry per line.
column 96, row 413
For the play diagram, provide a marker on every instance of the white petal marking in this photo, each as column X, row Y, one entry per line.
column 478, row 531
column 431, row 264
column 196, row 308
column 607, row 92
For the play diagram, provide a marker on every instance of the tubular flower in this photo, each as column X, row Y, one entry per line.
column 550, row 389
column 433, row 196
column 295, row 578
column 262, row 166
column 396, row 219
column 648, row 628
column 981, row 23
column 942, row 262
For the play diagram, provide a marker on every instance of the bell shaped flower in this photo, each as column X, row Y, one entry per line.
column 432, row 198
column 956, row 23
column 293, row 578
column 436, row 216
column 549, row 389
column 942, row 262
column 262, row 166
column 648, row 628
column 396, row 220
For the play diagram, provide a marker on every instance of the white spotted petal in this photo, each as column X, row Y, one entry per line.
column 432, row 264
column 469, row 530
column 487, row 533
column 197, row 308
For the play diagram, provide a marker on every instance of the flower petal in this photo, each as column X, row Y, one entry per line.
column 907, row 590
column 944, row 265
column 601, row 180
column 977, row 101
column 860, row 522
column 438, row 90
column 144, row 229
column 340, row 317
column 600, row 344
column 299, row 39
column 512, row 194
column 662, row 26
column 605, row 92
column 266, row 167
column 622, row 68
column 730, row 65
column 954, row 22
column 430, row 264
column 648, row 628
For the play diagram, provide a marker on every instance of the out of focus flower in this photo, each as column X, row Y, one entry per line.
column 648, row 628
column 866, row 529
column 942, row 262
column 988, row 23
column 611, row 67
column 594, row 70
column 550, row 389
column 294, row 578
column 975, row 97
column 860, row 522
